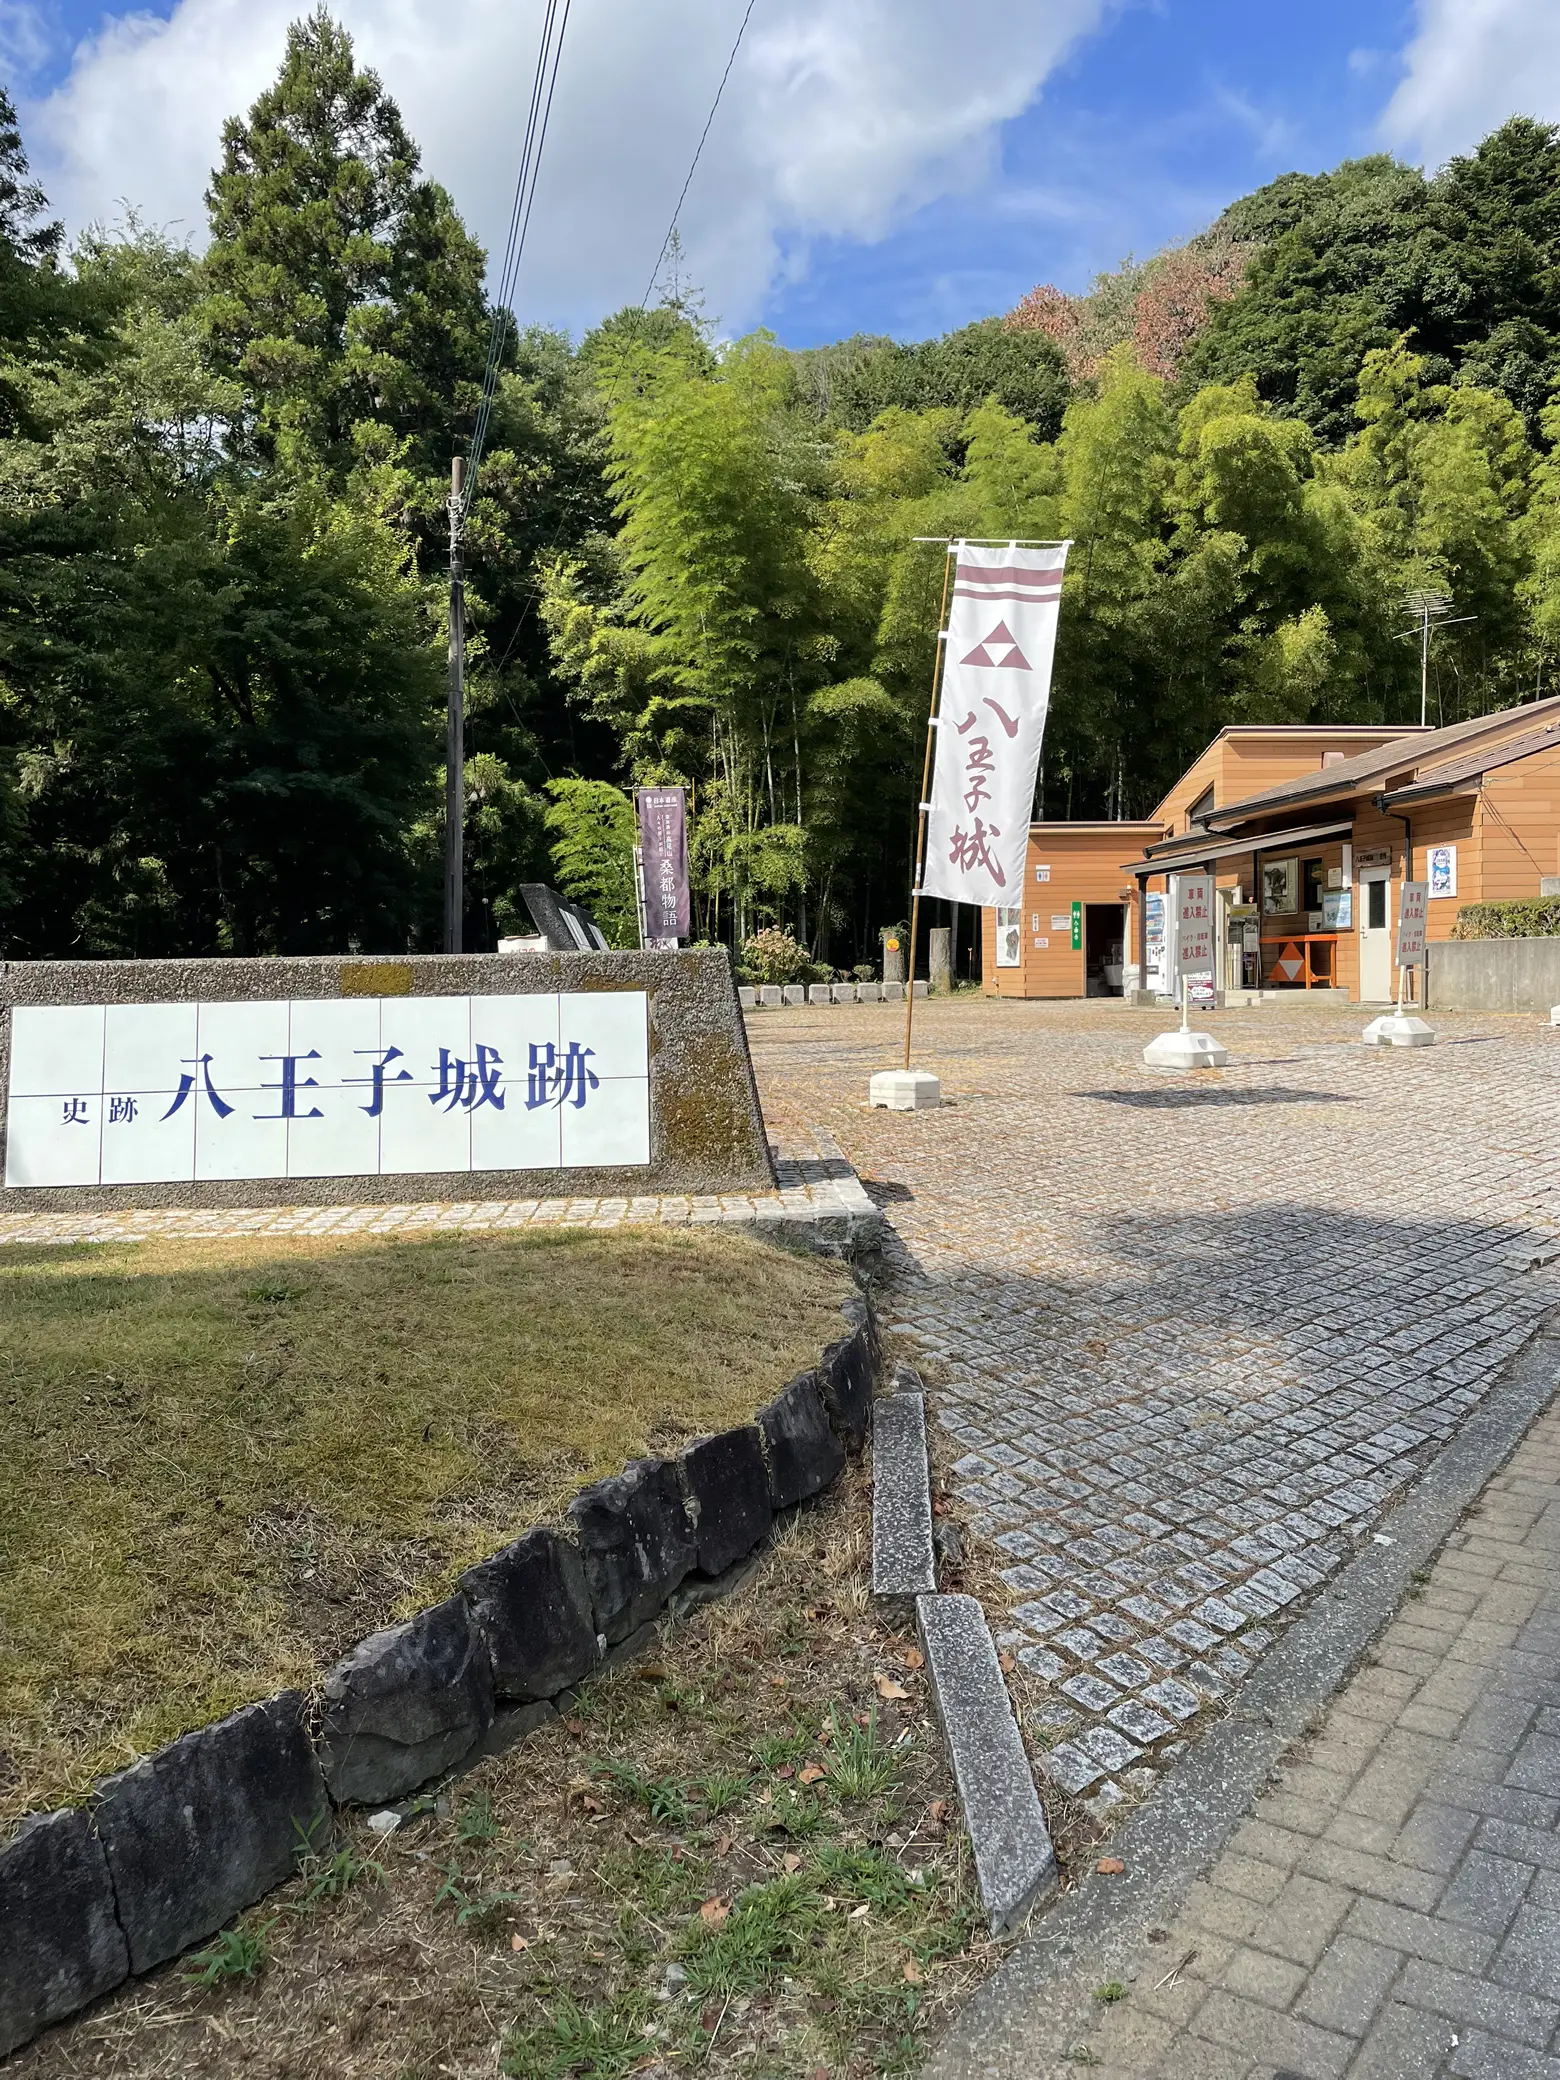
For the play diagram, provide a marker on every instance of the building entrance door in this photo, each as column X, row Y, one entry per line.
column 1376, row 935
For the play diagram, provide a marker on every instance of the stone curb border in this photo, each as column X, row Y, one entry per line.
column 164, row 1853
column 1015, row 1864
column 1013, row 2028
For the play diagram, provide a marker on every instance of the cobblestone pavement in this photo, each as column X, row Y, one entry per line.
column 1188, row 1336
column 1391, row 1910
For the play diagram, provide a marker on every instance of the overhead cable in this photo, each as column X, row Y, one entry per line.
column 555, row 22
column 698, row 151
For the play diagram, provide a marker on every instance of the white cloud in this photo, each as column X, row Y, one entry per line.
column 840, row 116
column 1471, row 64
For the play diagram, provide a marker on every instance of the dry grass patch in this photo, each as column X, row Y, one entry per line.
column 741, row 1858
column 225, row 1461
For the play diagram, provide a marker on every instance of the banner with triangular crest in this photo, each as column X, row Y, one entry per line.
column 996, row 688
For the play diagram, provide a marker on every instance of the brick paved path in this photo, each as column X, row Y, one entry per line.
column 1391, row 1911
column 1189, row 1337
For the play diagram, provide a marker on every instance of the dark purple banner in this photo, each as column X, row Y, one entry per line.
column 663, row 851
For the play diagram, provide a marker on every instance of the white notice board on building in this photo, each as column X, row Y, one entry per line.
column 1411, row 925
column 336, row 1087
column 1194, row 924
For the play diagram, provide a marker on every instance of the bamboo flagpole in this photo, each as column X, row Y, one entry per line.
column 951, row 549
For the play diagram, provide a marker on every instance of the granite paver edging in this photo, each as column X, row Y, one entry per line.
column 168, row 1850
column 817, row 1197
column 1014, row 2028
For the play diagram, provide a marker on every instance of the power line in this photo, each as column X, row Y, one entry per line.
column 555, row 22
column 698, row 151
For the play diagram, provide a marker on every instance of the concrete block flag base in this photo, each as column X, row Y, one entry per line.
column 905, row 1090
column 1184, row 1049
column 1396, row 1029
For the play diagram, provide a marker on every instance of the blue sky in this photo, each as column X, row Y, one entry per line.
column 1139, row 138
column 896, row 166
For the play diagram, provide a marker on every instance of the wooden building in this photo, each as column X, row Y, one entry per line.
column 1309, row 833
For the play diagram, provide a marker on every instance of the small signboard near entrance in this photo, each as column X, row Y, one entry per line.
column 1194, row 924
column 1411, row 925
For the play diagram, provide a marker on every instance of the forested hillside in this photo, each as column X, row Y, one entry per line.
column 222, row 531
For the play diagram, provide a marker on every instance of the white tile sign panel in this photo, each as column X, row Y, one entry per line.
column 336, row 1087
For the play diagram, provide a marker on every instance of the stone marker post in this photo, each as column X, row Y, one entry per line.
column 939, row 960
column 893, row 957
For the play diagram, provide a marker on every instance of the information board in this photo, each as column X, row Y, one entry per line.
column 332, row 1087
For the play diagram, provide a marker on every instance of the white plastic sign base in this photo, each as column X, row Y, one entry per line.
column 1181, row 1050
column 905, row 1090
column 1395, row 1029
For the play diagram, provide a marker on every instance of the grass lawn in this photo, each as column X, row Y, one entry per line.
column 226, row 1461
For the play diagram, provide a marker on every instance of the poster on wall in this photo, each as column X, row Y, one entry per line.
column 1441, row 870
column 340, row 1087
column 1010, row 939
column 1281, row 887
column 1154, row 943
column 1337, row 909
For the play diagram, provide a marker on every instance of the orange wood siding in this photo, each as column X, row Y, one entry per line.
column 1518, row 831
column 1244, row 761
column 1085, row 862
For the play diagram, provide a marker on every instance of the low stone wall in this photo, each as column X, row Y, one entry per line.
column 168, row 1850
column 1493, row 975
column 706, row 1129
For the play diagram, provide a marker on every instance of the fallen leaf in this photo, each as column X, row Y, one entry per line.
column 709, row 2019
column 863, row 1718
column 940, row 1506
column 938, row 1810
column 575, row 1726
column 791, row 1860
column 777, row 1682
column 860, row 1913
column 812, row 1773
column 518, row 1943
column 914, row 1976
column 597, row 1956
column 786, row 1769
column 652, row 1672
column 715, row 1912
column 592, row 1805
column 912, row 1657
column 1110, row 1866
column 723, row 1845
column 887, row 1687
column 1007, row 1661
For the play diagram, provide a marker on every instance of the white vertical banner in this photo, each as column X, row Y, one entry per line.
column 996, row 688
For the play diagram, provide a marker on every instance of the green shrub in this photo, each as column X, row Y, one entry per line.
column 774, row 956
column 1537, row 917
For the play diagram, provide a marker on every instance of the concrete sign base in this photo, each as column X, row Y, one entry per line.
column 1183, row 1050
column 905, row 1090
column 1395, row 1029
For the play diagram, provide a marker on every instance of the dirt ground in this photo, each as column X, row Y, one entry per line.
column 744, row 1856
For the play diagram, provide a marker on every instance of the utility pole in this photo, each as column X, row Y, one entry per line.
column 455, row 740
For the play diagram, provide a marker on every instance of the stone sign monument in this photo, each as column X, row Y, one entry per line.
column 189, row 1083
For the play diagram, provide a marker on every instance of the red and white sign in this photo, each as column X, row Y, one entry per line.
column 1194, row 924
column 996, row 687
column 1411, row 924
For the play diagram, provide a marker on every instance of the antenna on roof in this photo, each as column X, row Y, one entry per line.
column 1427, row 610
